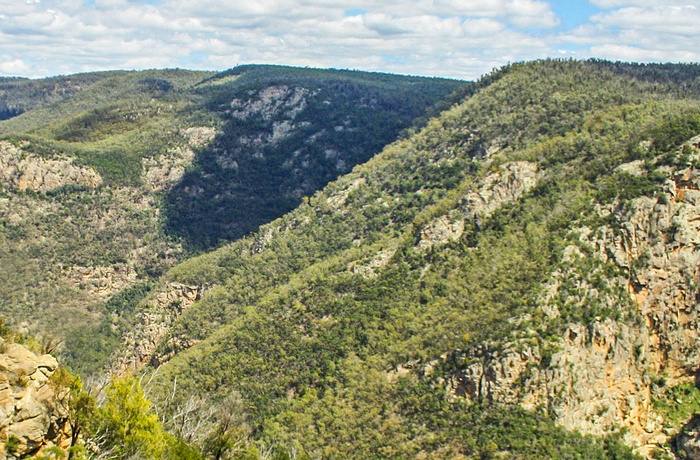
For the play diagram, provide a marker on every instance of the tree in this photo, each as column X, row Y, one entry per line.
column 79, row 405
column 128, row 425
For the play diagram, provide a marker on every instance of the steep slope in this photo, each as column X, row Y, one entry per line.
column 469, row 289
column 104, row 177
column 286, row 133
column 78, row 224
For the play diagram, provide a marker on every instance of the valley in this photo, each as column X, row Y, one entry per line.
column 302, row 263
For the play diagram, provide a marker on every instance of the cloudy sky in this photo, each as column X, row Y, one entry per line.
column 451, row 38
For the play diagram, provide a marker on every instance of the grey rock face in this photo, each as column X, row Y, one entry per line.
column 688, row 440
column 153, row 324
column 22, row 171
column 508, row 184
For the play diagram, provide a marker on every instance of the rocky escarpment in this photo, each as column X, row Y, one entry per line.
column 101, row 282
column 165, row 170
column 30, row 417
column 688, row 440
column 153, row 324
column 23, row 171
column 594, row 380
column 601, row 376
column 508, row 184
column 277, row 107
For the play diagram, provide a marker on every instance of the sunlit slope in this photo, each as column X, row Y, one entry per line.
column 357, row 324
column 107, row 179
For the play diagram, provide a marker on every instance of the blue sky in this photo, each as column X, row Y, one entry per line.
column 573, row 13
column 450, row 38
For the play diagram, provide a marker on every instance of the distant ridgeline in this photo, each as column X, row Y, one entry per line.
column 281, row 132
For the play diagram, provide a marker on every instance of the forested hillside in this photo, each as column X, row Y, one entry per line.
column 108, row 179
column 470, row 290
column 515, row 278
column 284, row 135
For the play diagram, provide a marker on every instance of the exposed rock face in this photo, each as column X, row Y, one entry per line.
column 198, row 136
column 283, row 103
column 22, row 171
column 139, row 345
column 594, row 380
column 688, row 440
column 164, row 171
column 101, row 282
column 510, row 183
column 29, row 414
column 598, row 378
column 369, row 269
column 338, row 199
column 441, row 230
column 271, row 102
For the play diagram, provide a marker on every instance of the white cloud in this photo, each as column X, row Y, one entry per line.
column 608, row 4
column 13, row 66
column 458, row 38
column 410, row 36
column 648, row 33
column 659, row 19
column 527, row 13
column 640, row 54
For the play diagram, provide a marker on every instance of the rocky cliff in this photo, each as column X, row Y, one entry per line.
column 30, row 417
column 23, row 171
column 152, row 325
column 164, row 171
column 605, row 375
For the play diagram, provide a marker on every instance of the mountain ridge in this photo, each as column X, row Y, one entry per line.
column 514, row 279
column 92, row 166
column 559, row 117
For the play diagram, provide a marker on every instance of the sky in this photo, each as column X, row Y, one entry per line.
column 448, row 38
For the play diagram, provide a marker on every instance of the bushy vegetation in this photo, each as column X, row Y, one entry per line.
column 46, row 236
column 18, row 95
column 111, row 120
column 312, row 343
column 54, row 252
column 117, row 421
column 56, row 245
column 677, row 403
column 286, row 133
column 88, row 349
column 333, row 325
